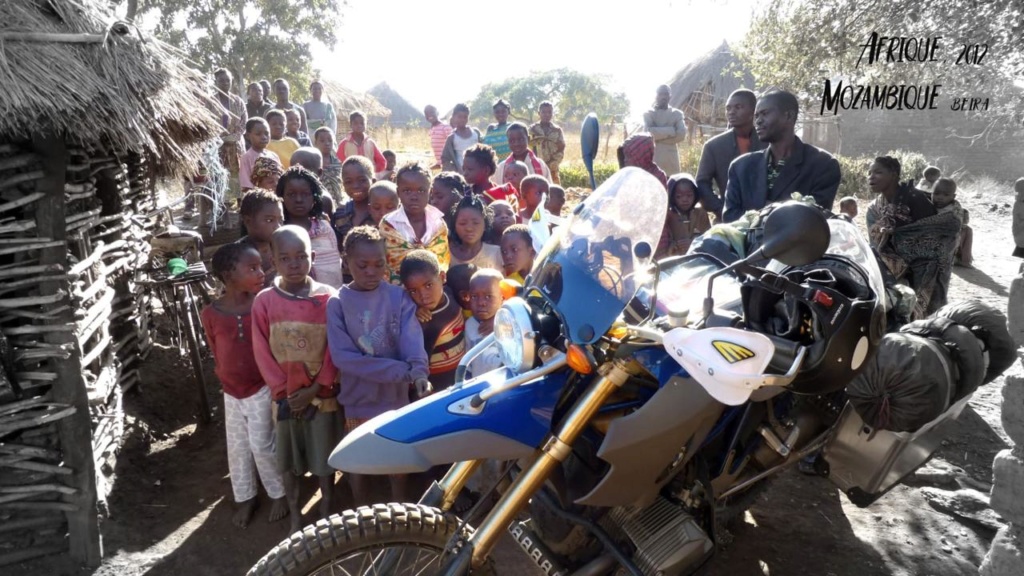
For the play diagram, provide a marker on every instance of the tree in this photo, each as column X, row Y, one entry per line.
column 797, row 45
column 573, row 94
column 254, row 39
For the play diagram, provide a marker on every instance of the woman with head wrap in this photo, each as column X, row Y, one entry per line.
column 638, row 150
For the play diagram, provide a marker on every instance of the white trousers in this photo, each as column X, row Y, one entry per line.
column 250, row 433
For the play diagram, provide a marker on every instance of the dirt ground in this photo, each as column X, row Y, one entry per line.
column 170, row 509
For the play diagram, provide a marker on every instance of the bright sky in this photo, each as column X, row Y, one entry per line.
column 639, row 44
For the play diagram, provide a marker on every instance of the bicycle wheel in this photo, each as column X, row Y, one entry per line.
column 192, row 329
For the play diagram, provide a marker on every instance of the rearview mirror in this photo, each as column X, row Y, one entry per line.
column 795, row 234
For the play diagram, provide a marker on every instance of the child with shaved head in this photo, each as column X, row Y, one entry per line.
column 289, row 325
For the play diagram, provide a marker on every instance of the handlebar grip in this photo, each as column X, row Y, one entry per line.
column 785, row 353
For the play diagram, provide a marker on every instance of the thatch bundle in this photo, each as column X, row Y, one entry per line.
column 702, row 87
column 68, row 68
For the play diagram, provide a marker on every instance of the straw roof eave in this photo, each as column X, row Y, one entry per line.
column 115, row 89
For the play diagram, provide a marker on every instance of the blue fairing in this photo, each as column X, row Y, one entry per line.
column 522, row 414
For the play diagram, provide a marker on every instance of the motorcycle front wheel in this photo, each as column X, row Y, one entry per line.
column 383, row 539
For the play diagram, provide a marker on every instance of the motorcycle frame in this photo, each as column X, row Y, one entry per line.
column 558, row 447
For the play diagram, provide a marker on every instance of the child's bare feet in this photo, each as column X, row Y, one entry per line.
column 244, row 512
column 278, row 509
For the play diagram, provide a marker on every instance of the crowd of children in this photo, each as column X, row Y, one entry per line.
column 357, row 287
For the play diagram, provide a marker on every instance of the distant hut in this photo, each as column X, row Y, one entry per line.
column 702, row 88
column 94, row 111
column 403, row 114
column 346, row 101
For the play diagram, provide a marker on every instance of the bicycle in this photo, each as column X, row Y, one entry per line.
column 180, row 295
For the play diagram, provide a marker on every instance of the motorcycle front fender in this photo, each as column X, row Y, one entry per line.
column 440, row 430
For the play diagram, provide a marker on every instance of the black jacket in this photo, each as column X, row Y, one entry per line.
column 715, row 158
column 808, row 170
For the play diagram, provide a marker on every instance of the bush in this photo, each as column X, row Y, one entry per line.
column 854, row 170
column 575, row 175
column 912, row 164
column 854, row 181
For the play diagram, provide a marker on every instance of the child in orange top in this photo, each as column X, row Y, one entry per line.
column 416, row 224
column 289, row 326
column 357, row 143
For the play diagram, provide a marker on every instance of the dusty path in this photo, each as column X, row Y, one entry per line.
column 170, row 513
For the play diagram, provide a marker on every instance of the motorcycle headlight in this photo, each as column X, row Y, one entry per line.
column 514, row 335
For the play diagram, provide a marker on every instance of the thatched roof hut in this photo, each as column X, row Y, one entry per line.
column 93, row 110
column 403, row 113
column 346, row 101
column 69, row 69
column 702, row 87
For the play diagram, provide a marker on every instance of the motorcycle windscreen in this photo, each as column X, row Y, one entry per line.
column 443, row 429
column 594, row 266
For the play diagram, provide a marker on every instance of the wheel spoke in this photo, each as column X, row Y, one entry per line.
column 411, row 560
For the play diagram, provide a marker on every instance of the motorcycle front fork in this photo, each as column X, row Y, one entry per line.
column 555, row 450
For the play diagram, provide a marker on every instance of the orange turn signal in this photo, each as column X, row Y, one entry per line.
column 510, row 288
column 578, row 359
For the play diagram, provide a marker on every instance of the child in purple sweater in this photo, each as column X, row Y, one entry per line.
column 377, row 344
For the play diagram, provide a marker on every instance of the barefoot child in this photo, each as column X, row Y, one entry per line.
column 444, row 336
column 534, row 189
column 517, row 252
column 416, row 225
column 280, row 143
column 257, row 131
column 303, row 206
column 247, row 414
column 262, row 215
column 484, row 301
column 383, row 201
column 445, row 192
column 930, row 176
column 472, row 222
column 684, row 220
column 377, row 344
column 289, row 325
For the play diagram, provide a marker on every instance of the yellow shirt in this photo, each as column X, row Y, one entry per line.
column 284, row 148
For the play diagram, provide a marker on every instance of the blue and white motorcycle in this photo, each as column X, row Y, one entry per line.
column 641, row 403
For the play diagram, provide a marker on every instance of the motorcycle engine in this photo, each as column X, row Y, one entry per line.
column 668, row 541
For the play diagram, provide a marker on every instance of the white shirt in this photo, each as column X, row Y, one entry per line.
column 461, row 145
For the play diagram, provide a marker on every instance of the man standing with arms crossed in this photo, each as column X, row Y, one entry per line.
column 668, row 126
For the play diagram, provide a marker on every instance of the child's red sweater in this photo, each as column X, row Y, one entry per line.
column 230, row 338
column 290, row 340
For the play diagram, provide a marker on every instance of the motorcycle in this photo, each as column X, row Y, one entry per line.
column 641, row 406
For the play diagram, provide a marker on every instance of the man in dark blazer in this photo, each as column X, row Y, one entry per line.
column 721, row 150
column 787, row 165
